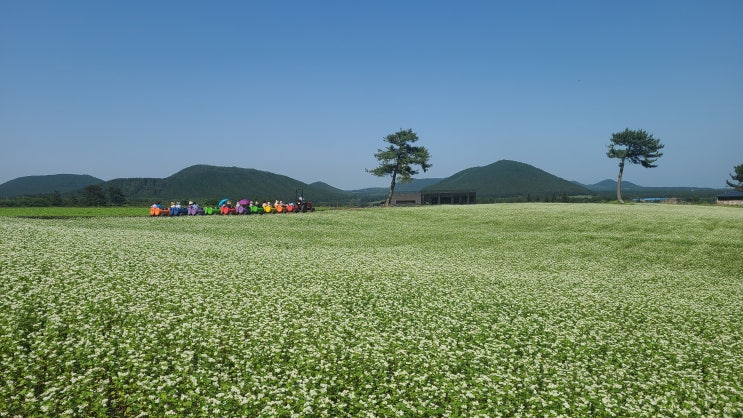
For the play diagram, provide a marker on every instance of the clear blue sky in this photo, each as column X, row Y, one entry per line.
column 309, row 89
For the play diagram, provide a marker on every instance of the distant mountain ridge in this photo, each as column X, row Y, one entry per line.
column 501, row 179
column 36, row 185
column 608, row 188
column 610, row 185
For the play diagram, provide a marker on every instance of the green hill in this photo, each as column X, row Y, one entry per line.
column 36, row 185
column 415, row 185
column 138, row 189
column 205, row 183
column 507, row 178
column 325, row 186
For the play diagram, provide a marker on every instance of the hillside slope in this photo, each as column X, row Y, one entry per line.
column 36, row 185
column 506, row 178
column 200, row 182
column 611, row 185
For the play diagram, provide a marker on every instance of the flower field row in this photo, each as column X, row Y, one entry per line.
column 71, row 212
column 485, row 310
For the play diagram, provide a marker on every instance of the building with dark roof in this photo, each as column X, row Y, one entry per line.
column 730, row 198
column 455, row 197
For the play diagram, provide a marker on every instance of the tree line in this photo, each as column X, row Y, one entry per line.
column 90, row 196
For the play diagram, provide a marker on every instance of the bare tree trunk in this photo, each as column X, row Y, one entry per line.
column 619, row 181
column 388, row 202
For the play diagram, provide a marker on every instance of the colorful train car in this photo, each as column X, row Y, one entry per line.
column 158, row 211
column 244, row 207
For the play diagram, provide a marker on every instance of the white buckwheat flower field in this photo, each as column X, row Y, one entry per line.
column 482, row 310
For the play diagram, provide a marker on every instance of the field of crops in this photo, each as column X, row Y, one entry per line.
column 68, row 212
column 483, row 310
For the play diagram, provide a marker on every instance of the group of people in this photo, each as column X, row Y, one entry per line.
column 226, row 207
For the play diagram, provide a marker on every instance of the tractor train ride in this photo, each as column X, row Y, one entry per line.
column 225, row 207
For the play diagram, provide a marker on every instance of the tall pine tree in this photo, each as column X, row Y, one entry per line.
column 637, row 147
column 398, row 158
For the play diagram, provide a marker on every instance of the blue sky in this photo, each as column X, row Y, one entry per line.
column 309, row 89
